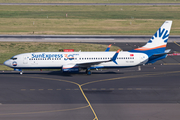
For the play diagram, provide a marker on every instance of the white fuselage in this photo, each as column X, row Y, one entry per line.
column 52, row 60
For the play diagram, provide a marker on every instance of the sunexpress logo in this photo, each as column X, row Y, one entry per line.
column 161, row 34
column 69, row 56
column 14, row 63
column 47, row 55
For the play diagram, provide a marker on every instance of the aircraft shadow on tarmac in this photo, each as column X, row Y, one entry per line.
column 59, row 73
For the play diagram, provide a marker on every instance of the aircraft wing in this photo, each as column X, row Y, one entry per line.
column 87, row 64
column 98, row 62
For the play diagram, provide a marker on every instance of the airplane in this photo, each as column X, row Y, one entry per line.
column 151, row 52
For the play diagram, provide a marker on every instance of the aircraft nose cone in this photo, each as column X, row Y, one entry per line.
column 7, row 63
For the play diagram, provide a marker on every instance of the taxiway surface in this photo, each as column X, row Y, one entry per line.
column 152, row 93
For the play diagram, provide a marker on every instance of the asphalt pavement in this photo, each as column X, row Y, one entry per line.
column 152, row 93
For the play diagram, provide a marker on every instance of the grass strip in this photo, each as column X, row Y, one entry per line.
column 89, row 1
column 90, row 12
column 90, row 20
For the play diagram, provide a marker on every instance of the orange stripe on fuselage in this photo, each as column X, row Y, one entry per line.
column 144, row 48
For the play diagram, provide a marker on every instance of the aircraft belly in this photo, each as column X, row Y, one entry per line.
column 42, row 64
column 119, row 63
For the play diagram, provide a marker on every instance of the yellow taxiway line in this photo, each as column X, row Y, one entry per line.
column 44, row 111
column 176, row 43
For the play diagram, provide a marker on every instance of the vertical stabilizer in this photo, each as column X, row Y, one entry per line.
column 158, row 42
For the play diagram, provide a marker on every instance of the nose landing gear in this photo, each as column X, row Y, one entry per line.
column 21, row 72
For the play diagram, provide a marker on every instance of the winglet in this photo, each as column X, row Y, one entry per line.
column 108, row 48
column 115, row 56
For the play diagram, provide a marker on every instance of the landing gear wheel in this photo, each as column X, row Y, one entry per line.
column 88, row 72
column 21, row 72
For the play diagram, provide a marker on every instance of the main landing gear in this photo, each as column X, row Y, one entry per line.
column 88, row 72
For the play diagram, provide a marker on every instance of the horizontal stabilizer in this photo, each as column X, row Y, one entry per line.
column 165, row 52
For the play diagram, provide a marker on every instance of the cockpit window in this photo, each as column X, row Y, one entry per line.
column 13, row 58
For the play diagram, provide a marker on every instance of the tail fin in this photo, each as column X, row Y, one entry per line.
column 157, row 44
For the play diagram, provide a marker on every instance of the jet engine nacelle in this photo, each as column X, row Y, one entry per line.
column 70, row 68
